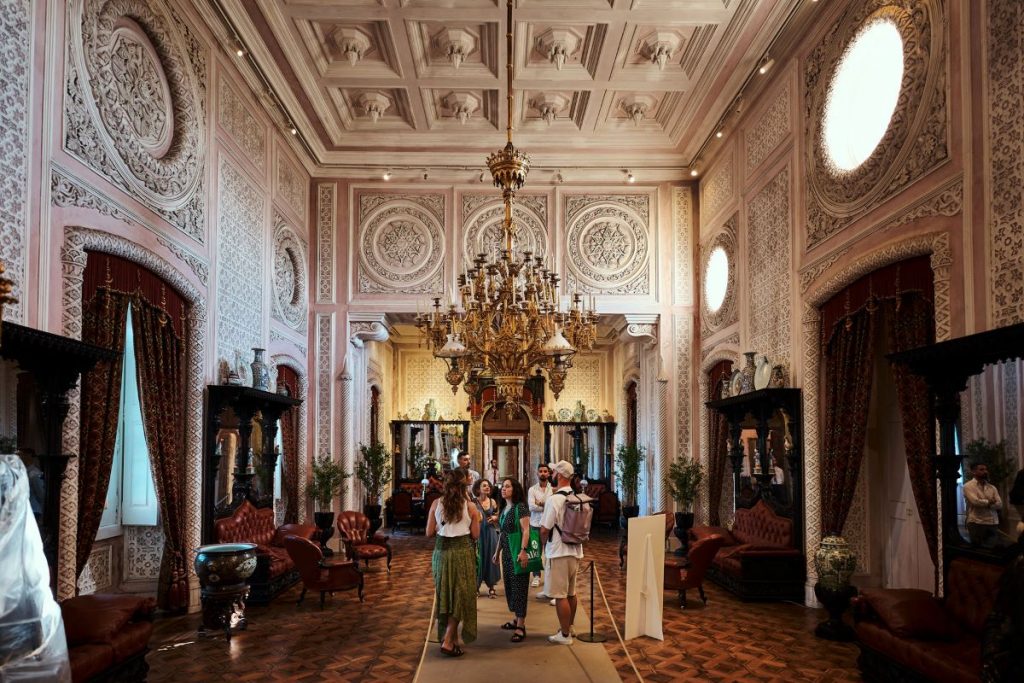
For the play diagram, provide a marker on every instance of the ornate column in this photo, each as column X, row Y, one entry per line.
column 346, row 454
column 644, row 327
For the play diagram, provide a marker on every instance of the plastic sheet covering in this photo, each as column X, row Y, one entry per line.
column 32, row 642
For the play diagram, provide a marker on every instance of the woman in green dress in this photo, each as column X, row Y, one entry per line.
column 456, row 523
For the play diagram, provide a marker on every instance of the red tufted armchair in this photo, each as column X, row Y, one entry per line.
column 319, row 575
column 401, row 508
column 607, row 509
column 682, row 574
column 354, row 528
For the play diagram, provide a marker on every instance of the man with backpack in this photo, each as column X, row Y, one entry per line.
column 563, row 528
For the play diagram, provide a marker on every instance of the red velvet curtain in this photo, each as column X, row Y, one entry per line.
column 290, row 439
column 911, row 324
column 902, row 294
column 848, row 362
column 103, row 322
column 160, row 361
column 718, row 439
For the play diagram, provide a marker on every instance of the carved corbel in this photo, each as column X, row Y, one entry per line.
column 643, row 327
column 366, row 328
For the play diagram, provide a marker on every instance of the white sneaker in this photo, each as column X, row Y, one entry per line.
column 560, row 639
column 553, row 602
column 541, row 596
column 535, row 582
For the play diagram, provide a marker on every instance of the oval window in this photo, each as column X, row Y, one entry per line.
column 716, row 279
column 863, row 94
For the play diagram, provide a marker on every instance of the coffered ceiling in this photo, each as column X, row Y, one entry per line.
column 600, row 83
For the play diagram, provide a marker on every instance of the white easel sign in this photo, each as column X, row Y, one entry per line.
column 645, row 576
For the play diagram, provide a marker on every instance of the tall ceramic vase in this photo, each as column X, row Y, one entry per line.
column 835, row 564
column 260, row 372
column 747, row 377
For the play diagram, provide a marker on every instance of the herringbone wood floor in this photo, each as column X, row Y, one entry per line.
column 381, row 639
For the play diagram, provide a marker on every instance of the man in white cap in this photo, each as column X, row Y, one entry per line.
column 563, row 557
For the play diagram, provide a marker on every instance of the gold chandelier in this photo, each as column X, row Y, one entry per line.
column 507, row 318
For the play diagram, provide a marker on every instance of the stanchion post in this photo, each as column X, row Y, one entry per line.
column 592, row 637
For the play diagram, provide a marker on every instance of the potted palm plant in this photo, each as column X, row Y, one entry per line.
column 374, row 471
column 328, row 477
column 683, row 480
column 628, row 461
column 416, row 461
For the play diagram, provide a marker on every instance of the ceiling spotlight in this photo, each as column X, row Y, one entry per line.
column 558, row 177
column 239, row 50
column 719, row 133
column 294, row 130
column 426, row 174
column 630, row 178
column 693, row 172
column 766, row 63
column 387, row 174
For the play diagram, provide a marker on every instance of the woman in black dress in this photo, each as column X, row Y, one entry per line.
column 515, row 516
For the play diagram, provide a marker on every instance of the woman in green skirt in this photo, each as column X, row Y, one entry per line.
column 456, row 524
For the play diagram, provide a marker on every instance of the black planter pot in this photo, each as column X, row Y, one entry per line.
column 325, row 523
column 372, row 513
column 628, row 512
column 835, row 602
column 684, row 522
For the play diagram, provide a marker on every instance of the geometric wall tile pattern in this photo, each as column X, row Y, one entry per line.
column 235, row 117
column 770, row 130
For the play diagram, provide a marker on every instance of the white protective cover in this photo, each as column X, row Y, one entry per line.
column 32, row 642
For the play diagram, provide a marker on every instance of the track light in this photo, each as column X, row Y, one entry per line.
column 387, row 174
column 426, row 174
column 558, row 177
column 693, row 172
column 766, row 64
column 294, row 130
column 719, row 133
column 482, row 176
column 630, row 178
column 238, row 48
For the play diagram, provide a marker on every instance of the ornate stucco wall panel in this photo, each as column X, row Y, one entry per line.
column 143, row 551
column 1005, row 98
column 291, row 277
column 324, row 383
column 728, row 313
column 609, row 246
column 234, row 113
column 98, row 574
column 917, row 139
column 769, row 292
column 326, row 213
column 683, row 236
column 291, row 187
column 240, row 249
column 482, row 217
column 135, row 104
column 400, row 243
column 772, row 127
column 15, row 73
column 682, row 350
column 719, row 188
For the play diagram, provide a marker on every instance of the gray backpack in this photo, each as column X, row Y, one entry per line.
column 579, row 513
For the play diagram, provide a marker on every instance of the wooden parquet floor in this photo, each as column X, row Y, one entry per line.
column 381, row 639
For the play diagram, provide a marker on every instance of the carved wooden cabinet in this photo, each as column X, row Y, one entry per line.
column 238, row 419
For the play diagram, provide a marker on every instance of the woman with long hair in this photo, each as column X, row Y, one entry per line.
column 487, row 571
column 515, row 516
column 456, row 524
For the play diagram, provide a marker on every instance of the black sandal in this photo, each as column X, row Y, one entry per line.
column 456, row 651
column 517, row 637
column 509, row 626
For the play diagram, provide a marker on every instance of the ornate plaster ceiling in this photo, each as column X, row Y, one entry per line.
column 604, row 83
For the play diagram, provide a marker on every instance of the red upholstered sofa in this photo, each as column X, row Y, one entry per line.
column 108, row 636
column 758, row 559
column 907, row 635
column 275, row 570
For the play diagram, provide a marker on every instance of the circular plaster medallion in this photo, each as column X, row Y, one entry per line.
column 607, row 245
column 484, row 231
column 402, row 244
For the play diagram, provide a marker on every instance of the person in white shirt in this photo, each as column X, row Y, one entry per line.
column 492, row 472
column 536, row 497
column 563, row 558
column 983, row 502
column 472, row 476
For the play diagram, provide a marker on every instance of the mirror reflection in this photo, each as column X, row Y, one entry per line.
column 417, row 443
column 588, row 445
